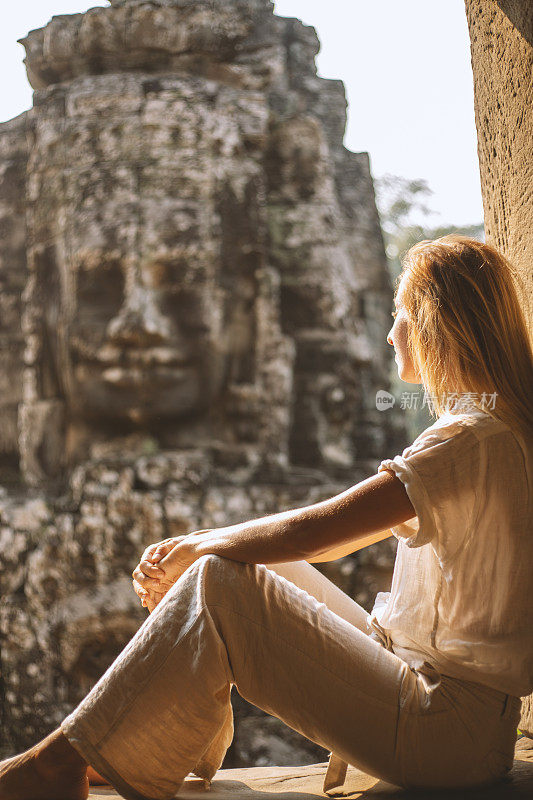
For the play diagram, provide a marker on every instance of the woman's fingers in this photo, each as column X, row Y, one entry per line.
column 149, row 551
column 150, row 569
column 147, row 596
column 147, row 575
column 176, row 562
column 149, row 604
column 162, row 549
column 153, row 601
column 144, row 580
column 151, row 562
column 158, row 593
column 139, row 590
column 145, row 558
column 145, row 570
column 146, row 563
column 151, row 555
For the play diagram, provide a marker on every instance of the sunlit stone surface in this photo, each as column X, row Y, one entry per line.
column 306, row 782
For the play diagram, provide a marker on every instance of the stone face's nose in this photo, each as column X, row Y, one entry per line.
column 139, row 322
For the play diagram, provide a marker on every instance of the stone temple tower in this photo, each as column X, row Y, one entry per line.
column 194, row 305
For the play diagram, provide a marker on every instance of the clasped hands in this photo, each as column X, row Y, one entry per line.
column 160, row 567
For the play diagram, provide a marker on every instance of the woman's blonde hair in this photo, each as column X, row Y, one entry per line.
column 467, row 331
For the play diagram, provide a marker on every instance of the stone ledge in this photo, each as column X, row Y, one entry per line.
column 298, row 783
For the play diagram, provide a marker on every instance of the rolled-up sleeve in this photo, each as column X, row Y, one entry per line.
column 440, row 472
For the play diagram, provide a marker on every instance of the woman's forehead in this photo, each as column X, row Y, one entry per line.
column 399, row 292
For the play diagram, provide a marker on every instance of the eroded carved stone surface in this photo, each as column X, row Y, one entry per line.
column 501, row 36
column 195, row 303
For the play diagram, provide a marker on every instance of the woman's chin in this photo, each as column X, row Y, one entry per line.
column 406, row 376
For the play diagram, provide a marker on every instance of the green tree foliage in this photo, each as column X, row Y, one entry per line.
column 404, row 210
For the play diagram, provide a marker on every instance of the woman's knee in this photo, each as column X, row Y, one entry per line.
column 215, row 561
column 215, row 567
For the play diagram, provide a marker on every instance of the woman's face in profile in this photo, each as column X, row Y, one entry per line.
column 397, row 337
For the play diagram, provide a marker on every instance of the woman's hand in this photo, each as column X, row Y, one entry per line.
column 152, row 599
column 147, row 576
column 176, row 560
column 160, row 567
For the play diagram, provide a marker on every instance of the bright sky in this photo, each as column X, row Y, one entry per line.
column 406, row 69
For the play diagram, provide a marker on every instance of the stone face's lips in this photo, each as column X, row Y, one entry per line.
column 136, row 376
column 111, row 356
column 158, row 356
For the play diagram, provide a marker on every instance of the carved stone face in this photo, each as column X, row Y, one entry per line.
column 147, row 285
column 141, row 340
column 192, row 216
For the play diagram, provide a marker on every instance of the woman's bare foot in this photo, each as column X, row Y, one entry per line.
column 50, row 770
column 95, row 779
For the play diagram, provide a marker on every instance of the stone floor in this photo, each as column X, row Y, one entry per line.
column 300, row 783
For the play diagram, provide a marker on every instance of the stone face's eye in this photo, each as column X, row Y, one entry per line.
column 99, row 295
column 99, row 291
column 186, row 307
column 173, row 274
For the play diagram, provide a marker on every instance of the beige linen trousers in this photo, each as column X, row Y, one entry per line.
column 298, row 647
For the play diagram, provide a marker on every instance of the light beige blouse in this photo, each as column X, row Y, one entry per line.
column 461, row 596
column 462, row 587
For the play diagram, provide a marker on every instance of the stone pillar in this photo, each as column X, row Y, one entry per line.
column 501, row 36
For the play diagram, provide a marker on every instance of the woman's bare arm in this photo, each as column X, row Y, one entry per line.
column 352, row 547
column 370, row 508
